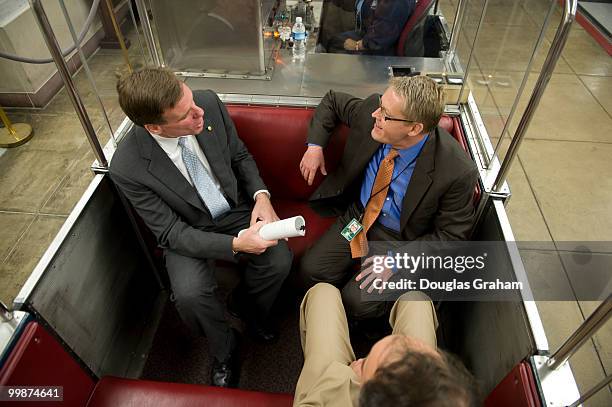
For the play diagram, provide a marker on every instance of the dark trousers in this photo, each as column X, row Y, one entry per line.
column 329, row 260
column 194, row 285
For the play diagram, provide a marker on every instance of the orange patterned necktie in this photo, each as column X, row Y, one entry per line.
column 359, row 244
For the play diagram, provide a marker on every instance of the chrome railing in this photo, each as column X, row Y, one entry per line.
column 584, row 332
column 569, row 14
column 147, row 31
column 62, row 67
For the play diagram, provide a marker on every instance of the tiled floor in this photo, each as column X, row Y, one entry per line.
column 561, row 182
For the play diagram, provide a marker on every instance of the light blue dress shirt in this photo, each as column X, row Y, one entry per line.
column 402, row 172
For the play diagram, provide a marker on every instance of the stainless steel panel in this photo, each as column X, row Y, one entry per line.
column 558, row 386
column 490, row 337
column 95, row 288
column 211, row 35
column 359, row 75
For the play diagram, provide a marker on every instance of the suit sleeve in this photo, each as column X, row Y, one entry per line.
column 335, row 107
column 243, row 164
column 169, row 229
column 455, row 217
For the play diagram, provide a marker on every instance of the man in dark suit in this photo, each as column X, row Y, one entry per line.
column 195, row 185
column 401, row 177
column 378, row 26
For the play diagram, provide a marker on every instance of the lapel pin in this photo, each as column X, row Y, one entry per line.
column 209, row 128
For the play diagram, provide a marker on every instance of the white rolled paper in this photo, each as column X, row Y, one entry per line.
column 290, row 227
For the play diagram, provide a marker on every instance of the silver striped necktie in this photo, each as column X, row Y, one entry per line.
column 202, row 180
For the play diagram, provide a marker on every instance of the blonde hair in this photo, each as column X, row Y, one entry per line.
column 423, row 98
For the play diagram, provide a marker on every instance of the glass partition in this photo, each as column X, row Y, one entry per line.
column 513, row 40
column 215, row 36
column 43, row 179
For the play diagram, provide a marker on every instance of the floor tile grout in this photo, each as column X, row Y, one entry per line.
column 18, row 241
column 567, row 141
column 594, row 97
column 575, row 300
column 48, row 214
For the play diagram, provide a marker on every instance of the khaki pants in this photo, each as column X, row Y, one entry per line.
column 325, row 336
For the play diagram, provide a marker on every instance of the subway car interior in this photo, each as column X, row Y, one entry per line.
column 91, row 314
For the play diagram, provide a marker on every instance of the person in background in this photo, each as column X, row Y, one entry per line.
column 404, row 369
column 378, row 25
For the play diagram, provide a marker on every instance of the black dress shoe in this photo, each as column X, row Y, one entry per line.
column 224, row 374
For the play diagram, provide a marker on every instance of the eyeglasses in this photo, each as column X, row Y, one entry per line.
column 384, row 114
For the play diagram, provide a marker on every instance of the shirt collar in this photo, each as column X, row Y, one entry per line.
column 409, row 152
column 168, row 144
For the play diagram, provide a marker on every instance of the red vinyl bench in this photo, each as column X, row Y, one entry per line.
column 276, row 137
column 38, row 359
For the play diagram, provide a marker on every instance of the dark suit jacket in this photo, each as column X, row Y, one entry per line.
column 165, row 200
column 438, row 202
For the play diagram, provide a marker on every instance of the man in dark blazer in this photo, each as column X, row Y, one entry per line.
column 428, row 196
column 195, row 185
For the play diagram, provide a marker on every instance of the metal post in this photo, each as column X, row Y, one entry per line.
column 466, row 73
column 147, row 31
column 524, row 81
column 569, row 12
column 85, row 64
column 13, row 134
column 144, row 58
column 119, row 34
column 6, row 315
column 603, row 383
column 582, row 334
column 457, row 25
column 56, row 53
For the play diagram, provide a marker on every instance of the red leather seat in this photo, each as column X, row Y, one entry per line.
column 276, row 137
column 117, row 392
column 38, row 359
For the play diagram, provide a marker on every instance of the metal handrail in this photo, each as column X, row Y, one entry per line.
column 603, row 383
column 466, row 73
column 584, row 332
column 147, row 31
column 569, row 13
column 62, row 68
column 457, row 25
column 519, row 94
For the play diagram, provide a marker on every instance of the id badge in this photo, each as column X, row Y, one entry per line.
column 352, row 229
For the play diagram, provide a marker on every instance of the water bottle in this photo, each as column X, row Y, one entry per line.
column 299, row 39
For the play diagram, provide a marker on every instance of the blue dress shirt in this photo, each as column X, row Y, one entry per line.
column 404, row 164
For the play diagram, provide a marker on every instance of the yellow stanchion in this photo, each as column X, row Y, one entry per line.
column 13, row 134
column 119, row 35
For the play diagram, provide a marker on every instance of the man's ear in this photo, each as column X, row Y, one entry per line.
column 153, row 128
column 416, row 129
